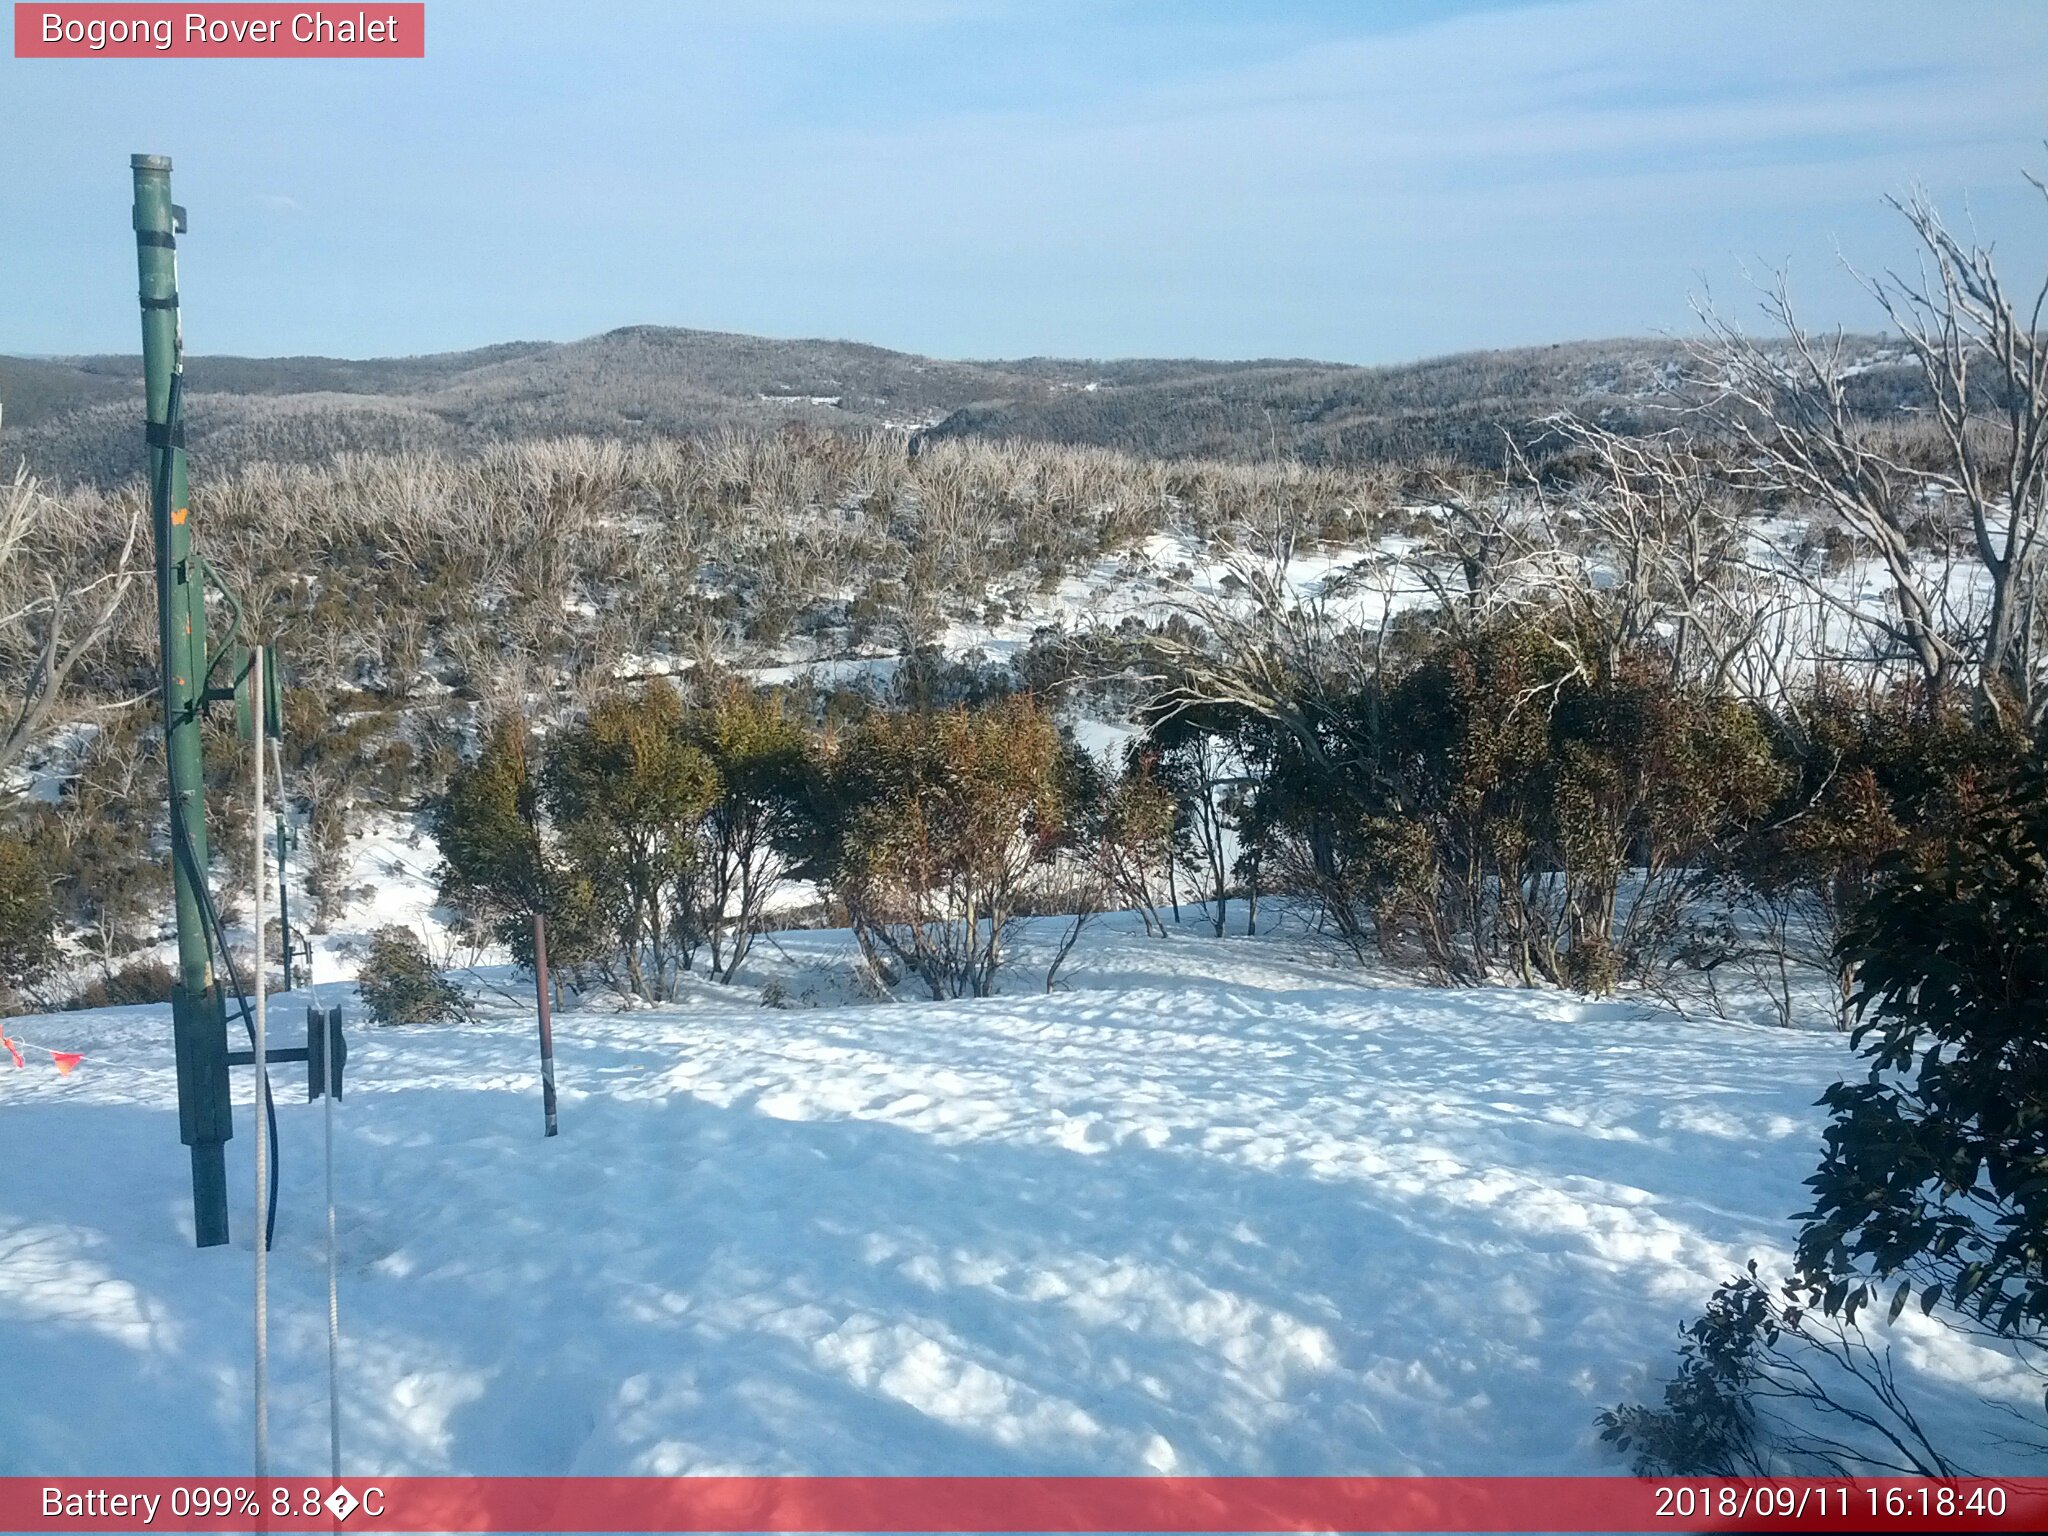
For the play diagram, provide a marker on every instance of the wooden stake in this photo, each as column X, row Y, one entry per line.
column 547, row 1023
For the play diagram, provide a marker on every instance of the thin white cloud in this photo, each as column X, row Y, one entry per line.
column 1544, row 91
column 1563, row 112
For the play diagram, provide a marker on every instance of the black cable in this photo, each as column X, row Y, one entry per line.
column 181, row 834
column 227, row 959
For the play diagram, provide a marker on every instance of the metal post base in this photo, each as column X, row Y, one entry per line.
column 210, row 1193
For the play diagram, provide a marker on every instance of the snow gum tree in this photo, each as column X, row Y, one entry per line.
column 1514, row 805
column 647, row 832
column 629, row 792
column 1201, row 766
column 1865, row 777
column 502, row 865
column 941, row 821
column 1965, row 611
column 1133, row 836
column 64, row 585
column 757, row 828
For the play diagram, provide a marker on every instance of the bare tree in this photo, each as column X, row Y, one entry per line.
column 1969, row 619
column 50, row 618
column 1658, row 515
column 1250, row 641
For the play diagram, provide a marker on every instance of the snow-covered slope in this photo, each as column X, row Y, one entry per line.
column 1216, row 1209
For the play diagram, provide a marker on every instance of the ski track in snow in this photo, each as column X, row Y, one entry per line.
column 1216, row 1210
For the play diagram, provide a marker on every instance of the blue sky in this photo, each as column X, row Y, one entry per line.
column 1357, row 181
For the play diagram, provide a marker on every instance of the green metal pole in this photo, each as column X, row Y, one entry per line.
column 198, row 1021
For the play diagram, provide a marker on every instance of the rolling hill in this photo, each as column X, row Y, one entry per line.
column 77, row 418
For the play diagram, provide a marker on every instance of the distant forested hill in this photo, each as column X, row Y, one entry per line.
column 76, row 419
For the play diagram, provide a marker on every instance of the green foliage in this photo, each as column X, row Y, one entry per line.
column 1870, row 775
column 644, row 833
column 399, row 985
column 26, row 946
column 759, row 829
column 1511, row 802
column 628, row 792
column 1707, row 1424
column 1933, row 1186
column 499, row 866
column 1133, row 827
column 99, row 841
column 1934, row 1176
column 938, row 821
column 1198, row 759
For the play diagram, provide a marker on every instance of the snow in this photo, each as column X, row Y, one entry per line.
column 391, row 870
column 1217, row 1209
column 1104, row 740
column 1810, row 614
column 42, row 775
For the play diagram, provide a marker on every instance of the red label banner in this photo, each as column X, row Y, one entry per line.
column 147, row 31
column 990, row 1504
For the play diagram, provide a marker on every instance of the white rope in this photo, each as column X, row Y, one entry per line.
column 327, row 1052
column 262, row 1129
column 333, row 1287
column 333, row 1266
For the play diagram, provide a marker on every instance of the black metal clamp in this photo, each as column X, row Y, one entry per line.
column 323, row 1025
